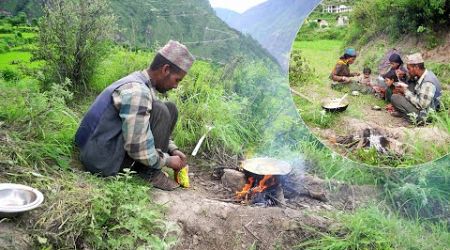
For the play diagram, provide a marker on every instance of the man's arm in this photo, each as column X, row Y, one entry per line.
column 423, row 98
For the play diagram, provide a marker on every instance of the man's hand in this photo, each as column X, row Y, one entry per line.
column 175, row 163
column 180, row 154
column 401, row 87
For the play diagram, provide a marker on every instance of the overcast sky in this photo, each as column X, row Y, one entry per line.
column 236, row 5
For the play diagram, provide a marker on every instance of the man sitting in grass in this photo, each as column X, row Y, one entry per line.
column 127, row 127
column 426, row 94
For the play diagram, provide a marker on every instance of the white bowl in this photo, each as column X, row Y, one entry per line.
column 17, row 198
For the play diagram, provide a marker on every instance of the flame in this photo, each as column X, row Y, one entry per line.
column 266, row 182
column 246, row 188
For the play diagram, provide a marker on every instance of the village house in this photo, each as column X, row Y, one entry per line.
column 336, row 8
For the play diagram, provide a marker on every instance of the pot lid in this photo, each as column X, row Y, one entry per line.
column 267, row 166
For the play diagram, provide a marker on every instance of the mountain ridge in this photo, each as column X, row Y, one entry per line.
column 150, row 24
column 274, row 24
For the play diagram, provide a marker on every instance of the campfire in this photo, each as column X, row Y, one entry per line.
column 264, row 182
column 261, row 190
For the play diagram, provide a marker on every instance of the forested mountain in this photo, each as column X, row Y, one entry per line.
column 31, row 7
column 147, row 24
column 274, row 24
column 229, row 16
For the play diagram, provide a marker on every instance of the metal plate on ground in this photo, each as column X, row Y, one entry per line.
column 267, row 166
column 16, row 198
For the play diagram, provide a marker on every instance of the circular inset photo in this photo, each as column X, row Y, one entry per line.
column 375, row 90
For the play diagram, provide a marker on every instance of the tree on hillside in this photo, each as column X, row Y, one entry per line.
column 73, row 37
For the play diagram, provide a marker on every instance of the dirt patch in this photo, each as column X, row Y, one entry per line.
column 208, row 221
column 402, row 136
column 412, row 44
column 440, row 53
column 13, row 237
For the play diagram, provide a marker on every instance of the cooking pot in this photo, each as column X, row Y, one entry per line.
column 267, row 166
column 335, row 105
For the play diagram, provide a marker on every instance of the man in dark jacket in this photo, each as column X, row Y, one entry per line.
column 128, row 127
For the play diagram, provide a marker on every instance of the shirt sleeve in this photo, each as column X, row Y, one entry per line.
column 172, row 146
column 134, row 103
column 422, row 99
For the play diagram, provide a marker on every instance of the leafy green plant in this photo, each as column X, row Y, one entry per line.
column 84, row 28
column 119, row 63
column 10, row 74
column 395, row 18
column 123, row 217
column 299, row 70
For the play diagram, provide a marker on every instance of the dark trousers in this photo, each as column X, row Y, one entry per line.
column 402, row 105
column 163, row 118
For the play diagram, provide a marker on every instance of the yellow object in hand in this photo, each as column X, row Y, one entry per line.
column 182, row 177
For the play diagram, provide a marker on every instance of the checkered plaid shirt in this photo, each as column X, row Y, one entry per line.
column 134, row 103
column 423, row 93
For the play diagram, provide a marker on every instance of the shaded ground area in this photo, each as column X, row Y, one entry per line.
column 209, row 220
column 204, row 216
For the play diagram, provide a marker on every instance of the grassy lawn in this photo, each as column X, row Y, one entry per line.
column 14, row 58
column 7, row 58
column 321, row 54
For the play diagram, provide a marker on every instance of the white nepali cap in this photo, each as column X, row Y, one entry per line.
column 414, row 59
column 178, row 54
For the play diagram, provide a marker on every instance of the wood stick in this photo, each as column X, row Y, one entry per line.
column 248, row 230
column 301, row 95
column 280, row 202
column 225, row 200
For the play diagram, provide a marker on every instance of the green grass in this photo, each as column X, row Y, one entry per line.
column 7, row 58
column 322, row 55
column 118, row 64
column 29, row 35
column 37, row 150
column 373, row 228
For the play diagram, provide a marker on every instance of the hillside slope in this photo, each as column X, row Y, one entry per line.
column 147, row 24
column 274, row 24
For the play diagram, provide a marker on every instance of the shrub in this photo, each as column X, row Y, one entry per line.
column 299, row 71
column 10, row 74
column 84, row 27
column 394, row 18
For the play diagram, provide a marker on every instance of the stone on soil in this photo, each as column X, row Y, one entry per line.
column 233, row 179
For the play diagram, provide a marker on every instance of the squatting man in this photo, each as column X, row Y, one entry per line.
column 128, row 127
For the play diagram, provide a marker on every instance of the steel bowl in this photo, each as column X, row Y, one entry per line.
column 17, row 198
